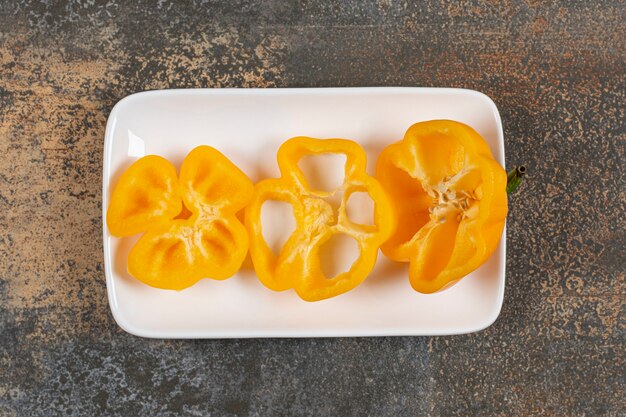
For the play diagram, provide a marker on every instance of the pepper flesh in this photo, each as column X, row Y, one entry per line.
column 147, row 193
column 190, row 224
column 450, row 199
column 298, row 265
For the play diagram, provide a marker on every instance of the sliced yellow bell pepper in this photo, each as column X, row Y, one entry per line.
column 450, row 199
column 192, row 231
column 297, row 265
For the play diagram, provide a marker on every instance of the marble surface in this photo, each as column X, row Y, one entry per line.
column 556, row 71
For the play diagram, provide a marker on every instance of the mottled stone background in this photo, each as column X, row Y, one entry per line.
column 556, row 71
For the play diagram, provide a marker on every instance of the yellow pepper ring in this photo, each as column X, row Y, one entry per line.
column 297, row 265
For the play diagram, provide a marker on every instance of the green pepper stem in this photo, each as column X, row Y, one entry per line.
column 514, row 178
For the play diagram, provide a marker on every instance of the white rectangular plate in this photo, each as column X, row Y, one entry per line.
column 248, row 126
